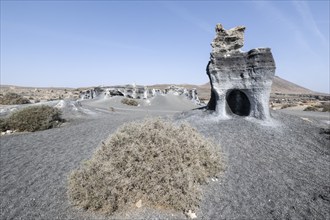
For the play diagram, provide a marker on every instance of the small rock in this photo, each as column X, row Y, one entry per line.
column 306, row 119
column 191, row 214
column 139, row 204
column 3, row 133
column 9, row 131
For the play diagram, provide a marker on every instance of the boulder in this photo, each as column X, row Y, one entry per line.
column 240, row 81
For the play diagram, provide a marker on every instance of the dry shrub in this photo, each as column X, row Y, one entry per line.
column 323, row 106
column 326, row 107
column 326, row 132
column 13, row 99
column 34, row 118
column 4, row 125
column 131, row 102
column 154, row 161
column 311, row 109
column 288, row 106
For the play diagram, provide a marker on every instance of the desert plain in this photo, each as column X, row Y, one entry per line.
column 274, row 169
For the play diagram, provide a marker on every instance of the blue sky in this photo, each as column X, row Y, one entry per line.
column 90, row 43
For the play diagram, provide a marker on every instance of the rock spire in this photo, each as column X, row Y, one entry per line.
column 240, row 81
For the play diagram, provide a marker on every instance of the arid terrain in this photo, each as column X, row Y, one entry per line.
column 140, row 109
column 284, row 93
column 274, row 169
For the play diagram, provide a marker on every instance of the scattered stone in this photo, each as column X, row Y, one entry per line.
column 306, row 119
column 214, row 179
column 139, row 204
column 325, row 131
column 9, row 132
column 191, row 214
column 240, row 81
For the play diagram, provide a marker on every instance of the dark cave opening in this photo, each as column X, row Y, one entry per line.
column 238, row 102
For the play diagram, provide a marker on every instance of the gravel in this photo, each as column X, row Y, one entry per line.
column 275, row 170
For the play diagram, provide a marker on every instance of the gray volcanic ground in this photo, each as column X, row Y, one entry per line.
column 274, row 170
column 279, row 171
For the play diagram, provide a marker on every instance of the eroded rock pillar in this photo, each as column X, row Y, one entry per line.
column 240, row 81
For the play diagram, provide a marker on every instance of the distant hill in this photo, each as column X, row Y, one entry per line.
column 283, row 86
column 279, row 86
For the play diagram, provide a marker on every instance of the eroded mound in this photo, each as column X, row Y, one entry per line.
column 154, row 161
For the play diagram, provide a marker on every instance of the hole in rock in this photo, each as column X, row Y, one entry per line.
column 238, row 103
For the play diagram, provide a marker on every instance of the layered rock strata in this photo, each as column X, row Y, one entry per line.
column 240, row 81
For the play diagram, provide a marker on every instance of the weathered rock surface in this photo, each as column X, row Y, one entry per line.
column 228, row 40
column 240, row 81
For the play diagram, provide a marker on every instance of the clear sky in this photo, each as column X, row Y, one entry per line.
column 91, row 43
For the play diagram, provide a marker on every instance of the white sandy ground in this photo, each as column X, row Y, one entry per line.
column 274, row 171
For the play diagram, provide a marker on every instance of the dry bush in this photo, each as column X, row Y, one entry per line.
column 326, row 132
column 154, row 161
column 323, row 106
column 13, row 99
column 34, row 118
column 131, row 102
column 326, row 107
column 288, row 106
column 311, row 109
column 4, row 125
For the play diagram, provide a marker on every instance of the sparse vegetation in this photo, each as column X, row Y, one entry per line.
column 288, row 106
column 326, row 107
column 131, row 102
column 326, row 132
column 320, row 107
column 32, row 119
column 311, row 109
column 3, row 124
column 154, row 161
column 13, row 99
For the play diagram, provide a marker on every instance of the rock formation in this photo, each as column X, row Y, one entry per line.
column 89, row 94
column 190, row 94
column 240, row 81
column 137, row 92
